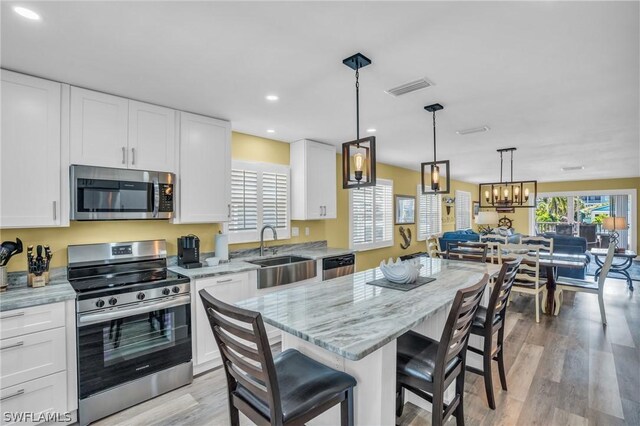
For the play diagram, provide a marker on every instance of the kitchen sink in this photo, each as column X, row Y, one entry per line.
column 281, row 270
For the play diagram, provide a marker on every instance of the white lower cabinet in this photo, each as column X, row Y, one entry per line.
column 228, row 288
column 38, row 373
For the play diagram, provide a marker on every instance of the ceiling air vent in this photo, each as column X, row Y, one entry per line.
column 572, row 168
column 409, row 87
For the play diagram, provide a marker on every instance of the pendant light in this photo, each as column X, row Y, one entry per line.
column 436, row 177
column 507, row 195
column 359, row 155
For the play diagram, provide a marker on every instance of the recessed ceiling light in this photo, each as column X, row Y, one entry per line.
column 26, row 13
column 272, row 98
column 270, row 131
column 572, row 168
column 371, row 130
column 474, row 130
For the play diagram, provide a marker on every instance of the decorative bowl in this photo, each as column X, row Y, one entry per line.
column 212, row 261
column 400, row 272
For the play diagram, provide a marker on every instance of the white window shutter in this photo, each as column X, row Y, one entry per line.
column 275, row 197
column 244, row 200
column 372, row 216
column 463, row 210
column 429, row 214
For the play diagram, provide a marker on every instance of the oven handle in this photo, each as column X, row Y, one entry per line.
column 93, row 318
column 156, row 198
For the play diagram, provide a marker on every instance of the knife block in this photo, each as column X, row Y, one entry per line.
column 35, row 281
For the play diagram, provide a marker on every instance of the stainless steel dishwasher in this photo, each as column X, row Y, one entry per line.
column 338, row 266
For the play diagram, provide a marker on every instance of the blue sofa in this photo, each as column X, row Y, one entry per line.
column 457, row 236
column 569, row 245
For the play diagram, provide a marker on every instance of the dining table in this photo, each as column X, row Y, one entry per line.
column 351, row 325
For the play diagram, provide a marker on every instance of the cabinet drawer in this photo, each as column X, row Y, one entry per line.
column 45, row 395
column 31, row 356
column 29, row 320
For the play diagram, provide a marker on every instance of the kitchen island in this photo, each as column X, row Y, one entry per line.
column 352, row 326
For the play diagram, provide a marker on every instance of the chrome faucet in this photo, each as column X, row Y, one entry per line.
column 275, row 237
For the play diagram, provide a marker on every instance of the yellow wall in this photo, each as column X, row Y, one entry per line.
column 521, row 216
column 405, row 182
column 247, row 148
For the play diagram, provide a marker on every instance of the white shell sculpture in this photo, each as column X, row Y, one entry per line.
column 400, row 272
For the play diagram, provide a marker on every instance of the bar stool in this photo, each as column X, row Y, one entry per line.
column 489, row 321
column 290, row 389
column 427, row 367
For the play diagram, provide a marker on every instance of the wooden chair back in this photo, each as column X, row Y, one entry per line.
column 606, row 267
column 473, row 252
column 543, row 243
column 246, row 355
column 529, row 268
column 455, row 335
column 502, row 290
column 493, row 238
column 432, row 247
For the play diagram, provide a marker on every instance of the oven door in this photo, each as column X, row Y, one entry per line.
column 122, row 344
column 100, row 193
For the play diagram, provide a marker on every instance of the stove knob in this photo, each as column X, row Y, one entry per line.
column 166, row 291
column 113, row 301
column 99, row 303
column 140, row 296
column 176, row 289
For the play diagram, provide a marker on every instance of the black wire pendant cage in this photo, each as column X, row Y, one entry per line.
column 359, row 155
column 436, row 178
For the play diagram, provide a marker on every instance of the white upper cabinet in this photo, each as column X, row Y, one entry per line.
column 99, row 129
column 110, row 131
column 32, row 163
column 204, row 179
column 152, row 137
column 313, row 178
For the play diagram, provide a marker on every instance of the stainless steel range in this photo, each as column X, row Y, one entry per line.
column 133, row 324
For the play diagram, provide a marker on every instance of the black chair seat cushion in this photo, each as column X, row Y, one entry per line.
column 417, row 357
column 304, row 384
column 481, row 318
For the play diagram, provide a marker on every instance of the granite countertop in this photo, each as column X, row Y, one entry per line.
column 353, row 319
column 18, row 295
column 233, row 267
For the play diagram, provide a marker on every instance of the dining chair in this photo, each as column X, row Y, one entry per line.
column 584, row 286
column 493, row 245
column 527, row 279
column 543, row 243
column 427, row 367
column 290, row 389
column 489, row 322
column 469, row 251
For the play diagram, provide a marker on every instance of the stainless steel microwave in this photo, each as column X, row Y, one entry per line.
column 100, row 193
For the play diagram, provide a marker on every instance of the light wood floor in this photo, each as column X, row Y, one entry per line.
column 566, row 370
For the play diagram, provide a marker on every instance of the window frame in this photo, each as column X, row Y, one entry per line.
column 251, row 236
column 438, row 197
column 374, row 244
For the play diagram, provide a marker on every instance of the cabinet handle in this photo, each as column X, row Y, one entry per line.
column 133, row 156
column 320, row 210
column 15, row 345
column 229, row 210
column 55, row 210
column 17, row 314
column 124, row 154
column 225, row 281
column 18, row 393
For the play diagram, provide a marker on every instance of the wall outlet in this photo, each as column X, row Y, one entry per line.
column 295, row 231
column 306, row 231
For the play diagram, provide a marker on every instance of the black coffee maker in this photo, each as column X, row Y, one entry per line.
column 189, row 252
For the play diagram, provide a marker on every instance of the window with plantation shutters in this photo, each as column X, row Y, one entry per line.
column 372, row 216
column 429, row 214
column 463, row 210
column 259, row 196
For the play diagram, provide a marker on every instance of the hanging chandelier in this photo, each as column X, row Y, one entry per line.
column 359, row 155
column 436, row 177
column 507, row 195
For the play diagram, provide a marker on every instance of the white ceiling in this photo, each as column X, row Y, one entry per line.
column 558, row 80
